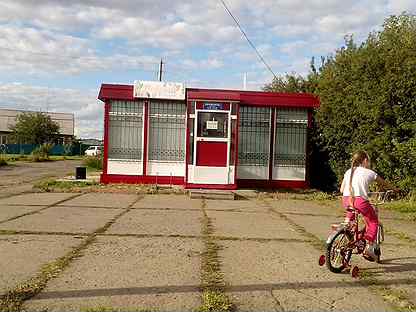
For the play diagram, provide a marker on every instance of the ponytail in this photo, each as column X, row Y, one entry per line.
column 357, row 160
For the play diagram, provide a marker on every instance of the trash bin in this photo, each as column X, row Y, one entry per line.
column 80, row 173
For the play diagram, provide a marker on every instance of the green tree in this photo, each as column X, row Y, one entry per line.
column 368, row 101
column 34, row 128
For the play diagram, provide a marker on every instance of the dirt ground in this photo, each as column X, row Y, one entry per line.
column 19, row 176
column 147, row 249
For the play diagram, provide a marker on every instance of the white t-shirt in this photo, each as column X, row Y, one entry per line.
column 361, row 180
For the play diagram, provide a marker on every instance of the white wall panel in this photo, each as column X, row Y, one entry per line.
column 124, row 167
column 210, row 175
column 160, row 168
column 289, row 173
column 252, row 172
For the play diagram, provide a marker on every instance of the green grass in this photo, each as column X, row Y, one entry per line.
column 3, row 162
column 405, row 206
column 93, row 162
column 54, row 185
column 22, row 157
column 112, row 309
column 212, row 279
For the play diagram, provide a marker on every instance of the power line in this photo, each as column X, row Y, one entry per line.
column 248, row 40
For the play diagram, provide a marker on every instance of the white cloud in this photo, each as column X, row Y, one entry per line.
column 87, row 109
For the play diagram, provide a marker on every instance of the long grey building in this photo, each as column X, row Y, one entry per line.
column 64, row 120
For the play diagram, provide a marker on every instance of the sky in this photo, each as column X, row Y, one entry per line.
column 54, row 55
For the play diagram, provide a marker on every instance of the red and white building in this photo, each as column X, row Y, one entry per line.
column 164, row 133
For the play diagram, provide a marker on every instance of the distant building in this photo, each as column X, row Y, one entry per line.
column 64, row 120
column 91, row 142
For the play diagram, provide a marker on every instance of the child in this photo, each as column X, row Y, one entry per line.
column 355, row 188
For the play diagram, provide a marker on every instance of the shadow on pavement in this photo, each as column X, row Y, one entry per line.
column 195, row 288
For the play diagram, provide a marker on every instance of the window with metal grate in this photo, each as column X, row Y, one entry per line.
column 290, row 139
column 254, row 136
column 125, row 130
column 167, row 130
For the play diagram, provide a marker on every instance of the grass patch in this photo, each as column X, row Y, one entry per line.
column 402, row 206
column 62, row 186
column 22, row 157
column 406, row 206
column 310, row 194
column 93, row 162
column 16, row 157
column 52, row 185
column 212, row 279
column 3, row 162
column 112, row 309
column 215, row 301
column 13, row 300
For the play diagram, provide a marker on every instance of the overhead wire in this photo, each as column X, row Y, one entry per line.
column 248, row 39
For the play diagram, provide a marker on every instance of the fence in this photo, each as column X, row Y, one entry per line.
column 57, row 149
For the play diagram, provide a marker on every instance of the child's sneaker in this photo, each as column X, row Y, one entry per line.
column 369, row 253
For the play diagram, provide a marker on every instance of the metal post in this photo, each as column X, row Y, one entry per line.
column 160, row 69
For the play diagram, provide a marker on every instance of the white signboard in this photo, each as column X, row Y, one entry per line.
column 159, row 90
column 212, row 125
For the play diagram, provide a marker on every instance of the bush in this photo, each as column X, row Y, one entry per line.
column 42, row 152
column 94, row 162
column 3, row 162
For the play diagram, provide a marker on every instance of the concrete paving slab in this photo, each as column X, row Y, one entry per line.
column 105, row 200
column 406, row 227
column 286, row 277
column 397, row 269
column 236, row 205
column 212, row 194
column 251, row 225
column 41, row 199
column 63, row 219
column 7, row 212
column 307, row 207
column 21, row 256
column 166, row 222
column 163, row 201
column 154, row 273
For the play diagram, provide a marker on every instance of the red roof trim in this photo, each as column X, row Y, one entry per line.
column 256, row 98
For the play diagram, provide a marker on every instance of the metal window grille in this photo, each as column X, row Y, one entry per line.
column 254, row 136
column 125, row 130
column 167, row 131
column 290, row 141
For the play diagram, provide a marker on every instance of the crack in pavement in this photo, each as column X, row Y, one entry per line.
column 42, row 209
column 278, row 305
column 14, row 299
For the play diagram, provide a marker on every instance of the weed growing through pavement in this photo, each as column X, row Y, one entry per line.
column 13, row 300
column 212, row 279
column 113, row 309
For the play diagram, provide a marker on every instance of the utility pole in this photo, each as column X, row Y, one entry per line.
column 245, row 81
column 160, row 69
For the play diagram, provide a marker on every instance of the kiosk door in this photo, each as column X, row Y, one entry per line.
column 212, row 147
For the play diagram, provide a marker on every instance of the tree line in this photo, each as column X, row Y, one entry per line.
column 368, row 101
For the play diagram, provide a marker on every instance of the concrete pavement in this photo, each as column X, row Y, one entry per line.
column 147, row 254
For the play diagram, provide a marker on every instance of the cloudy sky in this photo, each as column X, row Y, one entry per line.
column 54, row 54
